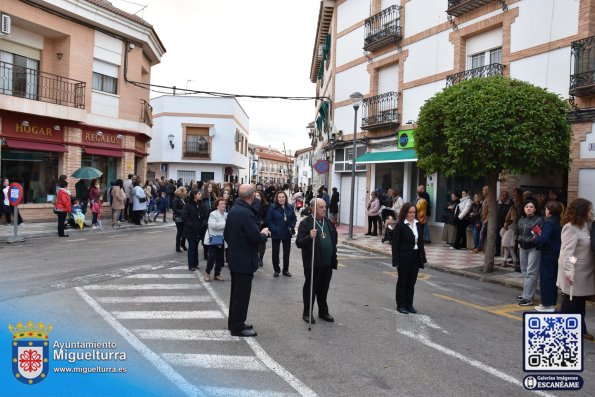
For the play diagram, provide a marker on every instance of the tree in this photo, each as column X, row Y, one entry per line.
column 484, row 126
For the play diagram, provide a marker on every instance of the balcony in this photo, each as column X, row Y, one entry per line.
column 380, row 111
column 582, row 82
column 198, row 150
column 495, row 69
column 32, row 84
column 383, row 29
column 459, row 7
column 146, row 113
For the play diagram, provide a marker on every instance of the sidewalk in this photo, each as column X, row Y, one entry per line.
column 440, row 257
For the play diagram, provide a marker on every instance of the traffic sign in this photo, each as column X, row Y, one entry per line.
column 321, row 167
column 15, row 194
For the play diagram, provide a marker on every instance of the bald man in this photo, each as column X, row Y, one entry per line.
column 243, row 236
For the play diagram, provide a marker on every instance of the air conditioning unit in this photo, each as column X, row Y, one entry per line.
column 4, row 24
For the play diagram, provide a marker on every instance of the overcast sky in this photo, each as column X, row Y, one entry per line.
column 261, row 47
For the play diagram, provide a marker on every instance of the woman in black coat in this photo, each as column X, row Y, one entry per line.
column 193, row 217
column 178, row 207
column 408, row 256
column 263, row 210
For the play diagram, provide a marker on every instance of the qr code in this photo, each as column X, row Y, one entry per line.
column 552, row 342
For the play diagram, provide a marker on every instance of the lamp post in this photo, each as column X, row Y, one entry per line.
column 356, row 101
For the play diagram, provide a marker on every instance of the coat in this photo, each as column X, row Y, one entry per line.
column 242, row 235
column 422, row 210
column 280, row 228
column 403, row 246
column 118, row 198
column 304, row 242
column 576, row 242
column 464, row 208
column 524, row 233
column 194, row 219
column 549, row 242
column 373, row 207
column 216, row 225
column 63, row 201
column 333, row 206
column 137, row 193
column 178, row 206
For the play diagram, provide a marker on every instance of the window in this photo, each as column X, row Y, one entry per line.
column 187, row 177
column 197, row 143
column 105, row 83
column 496, row 55
column 485, row 58
column 344, row 157
column 18, row 75
column 477, row 60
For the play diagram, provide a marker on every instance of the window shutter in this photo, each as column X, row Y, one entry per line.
column 19, row 49
column 388, row 79
column 484, row 42
column 104, row 68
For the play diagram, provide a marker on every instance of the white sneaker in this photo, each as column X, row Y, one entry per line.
column 94, row 227
column 545, row 309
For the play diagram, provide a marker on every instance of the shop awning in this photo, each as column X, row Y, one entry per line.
column 103, row 152
column 35, row 146
column 398, row 156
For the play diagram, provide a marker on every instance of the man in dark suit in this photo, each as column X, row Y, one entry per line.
column 408, row 256
column 243, row 236
column 324, row 233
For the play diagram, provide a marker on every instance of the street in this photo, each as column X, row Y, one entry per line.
column 131, row 288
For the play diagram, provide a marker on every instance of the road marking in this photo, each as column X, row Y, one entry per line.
column 341, row 265
column 166, row 314
column 187, row 334
column 245, row 363
column 116, row 235
column 349, row 257
column 76, row 239
column 490, row 309
column 231, row 392
column 392, row 274
column 156, row 231
column 148, row 275
column 267, row 360
column 153, row 299
column 419, row 318
column 159, row 363
column 119, row 287
column 474, row 363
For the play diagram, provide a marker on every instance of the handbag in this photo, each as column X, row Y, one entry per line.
column 216, row 240
column 56, row 211
column 142, row 199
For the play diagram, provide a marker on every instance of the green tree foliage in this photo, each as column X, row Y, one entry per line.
column 483, row 126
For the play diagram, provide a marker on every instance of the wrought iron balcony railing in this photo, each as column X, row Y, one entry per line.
column 146, row 113
column 495, row 69
column 582, row 82
column 459, row 7
column 32, row 84
column 380, row 111
column 383, row 28
column 197, row 150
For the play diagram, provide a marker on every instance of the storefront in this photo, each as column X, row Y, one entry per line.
column 32, row 150
column 102, row 150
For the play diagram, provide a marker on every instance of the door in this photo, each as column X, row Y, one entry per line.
column 359, row 206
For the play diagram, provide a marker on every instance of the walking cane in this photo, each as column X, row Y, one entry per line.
column 312, row 265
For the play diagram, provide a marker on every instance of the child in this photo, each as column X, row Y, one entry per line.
column 507, row 234
column 387, row 229
column 161, row 207
column 96, row 210
column 77, row 214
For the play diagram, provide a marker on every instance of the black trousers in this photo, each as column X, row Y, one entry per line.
column 373, row 224
column 322, row 281
column 286, row 251
column 576, row 305
column 406, row 284
column 127, row 213
column 239, row 300
column 461, row 239
column 61, row 224
column 216, row 258
column 180, row 240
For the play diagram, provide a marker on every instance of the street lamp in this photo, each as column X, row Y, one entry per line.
column 356, row 101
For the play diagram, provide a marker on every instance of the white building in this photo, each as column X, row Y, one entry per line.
column 399, row 53
column 302, row 169
column 198, row 138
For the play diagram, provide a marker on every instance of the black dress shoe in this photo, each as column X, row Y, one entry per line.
column 184, row 248
column 178, row 250
column 327, row 317
column 402, row 310
column 276, row 274
column 66, row 235
column 307, row 319
column 287, row 274
column 192, row 269
column 248, row 326
column 411, row 310
column 244, row 333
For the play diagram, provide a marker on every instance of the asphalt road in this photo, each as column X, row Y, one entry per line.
column 131, row 288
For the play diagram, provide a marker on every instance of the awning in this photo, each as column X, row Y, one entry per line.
column 35, row 146
column 399, row 156
column 103, row 152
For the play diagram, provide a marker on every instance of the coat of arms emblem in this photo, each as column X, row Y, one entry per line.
column 30, row 351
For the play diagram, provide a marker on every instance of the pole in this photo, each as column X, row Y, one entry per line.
column 312, row 265
column 350, row 236
column 15, row 222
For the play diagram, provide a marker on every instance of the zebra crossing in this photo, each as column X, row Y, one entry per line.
column 178, row 322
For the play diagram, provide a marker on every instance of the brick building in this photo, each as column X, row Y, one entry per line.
column 273, row 165
column 70, row 94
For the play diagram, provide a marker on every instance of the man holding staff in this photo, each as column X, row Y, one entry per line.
column 317, row 233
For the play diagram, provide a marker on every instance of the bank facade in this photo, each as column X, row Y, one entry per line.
column 72, row 94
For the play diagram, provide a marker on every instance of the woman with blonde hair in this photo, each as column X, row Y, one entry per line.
column 178, row 206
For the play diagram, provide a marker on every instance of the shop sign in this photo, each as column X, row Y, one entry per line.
column 39, row 130
column 104, row 139
column 406, row 139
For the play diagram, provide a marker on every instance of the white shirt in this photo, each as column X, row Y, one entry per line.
column 413, row 227
column 5, row 190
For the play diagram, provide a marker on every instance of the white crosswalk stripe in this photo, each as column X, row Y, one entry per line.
column 231, row 392
column 186, row 334
column 153, row 299
column 245, row 363
column 123, row 287
column 165, row 314
column 158, row 276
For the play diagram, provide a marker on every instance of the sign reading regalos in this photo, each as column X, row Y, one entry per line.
column 101, row 139
column 406, row 139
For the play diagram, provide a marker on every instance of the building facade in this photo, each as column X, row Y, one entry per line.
column 399, row 53
column 274, row 166
column 198, row 139
column 302, row 168
column 72, row 95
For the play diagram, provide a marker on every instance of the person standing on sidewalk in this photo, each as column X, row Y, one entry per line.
column 281, row 221
column 193, row 219
column 529, row 256
column 372, row 210
column 319, row 228
column 118, row 202
column 127, row 215
column 408, row 256
column 462, row 220
column 576, row 265
column 216, row 227
column 421, row 190
column 63, row 207
column 178, row 207
column 421, row 206
column 333, row 207
column 243, row 235
column 549, row 242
